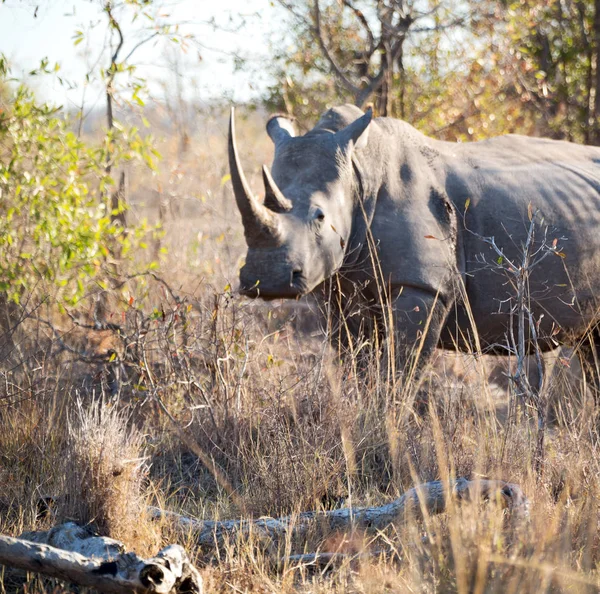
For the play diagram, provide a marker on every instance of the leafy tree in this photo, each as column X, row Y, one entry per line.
column 551, row 49
column 363, row 45
column 130, row 25
column 55, row 232
column 459, row 69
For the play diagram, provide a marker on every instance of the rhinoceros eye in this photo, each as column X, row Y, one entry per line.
column 319, row 215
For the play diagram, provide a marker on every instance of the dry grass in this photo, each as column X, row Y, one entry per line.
column 283, row 426
column 104, row 469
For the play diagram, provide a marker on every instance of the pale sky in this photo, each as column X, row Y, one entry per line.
column 25, row 39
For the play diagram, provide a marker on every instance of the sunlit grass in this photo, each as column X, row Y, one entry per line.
column 284, row 424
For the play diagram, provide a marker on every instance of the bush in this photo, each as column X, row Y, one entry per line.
column 56, row 229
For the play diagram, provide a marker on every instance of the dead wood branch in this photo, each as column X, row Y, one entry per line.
column 323, row 561
column 428, row 498
column 72, row 553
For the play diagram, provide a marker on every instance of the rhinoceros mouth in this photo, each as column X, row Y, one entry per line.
column 296, row 288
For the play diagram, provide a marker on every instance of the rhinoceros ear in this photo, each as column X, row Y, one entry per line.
column 280, row 129
column 356, row 134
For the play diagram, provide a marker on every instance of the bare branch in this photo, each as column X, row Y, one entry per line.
column 318, row 32
column 139, row 44
column 112, row 69
column 363, row 21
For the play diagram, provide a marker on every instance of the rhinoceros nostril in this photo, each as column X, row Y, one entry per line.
column 296, row 275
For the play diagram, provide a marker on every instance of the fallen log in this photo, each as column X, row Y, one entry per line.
column 428, row 498
column 324, row 560
column 72, row 553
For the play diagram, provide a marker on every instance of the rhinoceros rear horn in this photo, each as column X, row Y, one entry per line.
column 274, row 198
column 260, row 223
column 280, row 129
column 356, row 134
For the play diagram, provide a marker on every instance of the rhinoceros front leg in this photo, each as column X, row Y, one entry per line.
column 589, row 357
column 418, row 318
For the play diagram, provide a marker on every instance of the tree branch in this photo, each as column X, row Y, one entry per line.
column 318, row 32
column 139, row 44
column 363, row 21
column 112, row 69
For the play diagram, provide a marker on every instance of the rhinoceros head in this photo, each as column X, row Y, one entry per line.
column 297, row 236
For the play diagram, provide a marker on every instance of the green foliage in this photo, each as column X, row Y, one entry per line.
column 55, row 227
column 553, row 44
column 468, row 69
column 61, row 218
column 365, row 51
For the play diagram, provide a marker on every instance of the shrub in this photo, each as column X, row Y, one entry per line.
column 56, row 228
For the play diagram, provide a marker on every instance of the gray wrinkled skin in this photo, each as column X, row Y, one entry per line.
column 355, row 186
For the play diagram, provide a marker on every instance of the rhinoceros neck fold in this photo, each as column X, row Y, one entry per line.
column 366, row 185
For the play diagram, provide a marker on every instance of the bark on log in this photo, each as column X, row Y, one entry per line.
column 429, row 498
column 71, row 553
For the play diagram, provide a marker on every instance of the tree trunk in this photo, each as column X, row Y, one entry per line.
column 9, row 321
column 595, row 135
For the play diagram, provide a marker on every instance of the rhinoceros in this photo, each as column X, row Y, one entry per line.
column 422, row 233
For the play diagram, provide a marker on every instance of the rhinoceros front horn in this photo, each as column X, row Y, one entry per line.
column 260, row 223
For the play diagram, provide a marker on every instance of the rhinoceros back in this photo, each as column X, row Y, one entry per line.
column 506, row 180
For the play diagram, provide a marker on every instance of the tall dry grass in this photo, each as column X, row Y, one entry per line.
column 282, row 422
